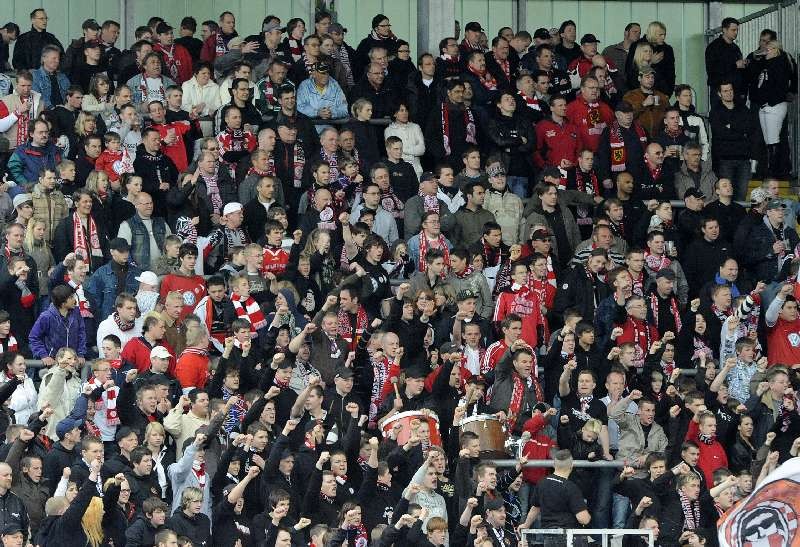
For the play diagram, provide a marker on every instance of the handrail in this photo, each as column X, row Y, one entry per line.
column 750, row 17
column 551, row 463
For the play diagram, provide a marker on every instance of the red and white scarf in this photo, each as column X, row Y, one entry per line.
column 168, row 55
column 213, row 191
column 110, row 405
column 641, row 346
column 587, row 182
column 23, row 120
column 691, row 512
column 10, row 344
column 430, row 203
column 345, row 328
column 295, row 49
column 673, row 308
column 485, row 78
column 250, row 310
column 87, row 247
column 655, row 262
column 199, row 472
column 424, row 245
column 465, row 273
column 469, row 121
column 518, row 394
column 333, row 163
column 531, row 102
column 83, row 302
column 160, row 94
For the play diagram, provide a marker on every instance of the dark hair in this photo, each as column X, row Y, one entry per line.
column 565, row 24
column 452, row 83
column 138, row 453
column 629, row 26
column 60, row 294
column 728, row 21
column 11, row 28
column 187, row 249
column 189, row 23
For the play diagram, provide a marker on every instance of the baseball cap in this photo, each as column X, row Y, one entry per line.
column 20, row 199
column 496, row 170
column 65, row 426
column 232, row 207
column 119, row 244
column 646, row 69
column 695, row 193
column 449, row 347
column 542, row 34
column 775, row 204
column 124, row 432
column 90, row 24
column 665, row 273
column 321, row 67
column 474, row 26
column 161, row 352
column 11, row 529
column 272, row 25
column 337, row 28
column 148, row 278
column 589, row 39
column 417, row 372
column 541, row 235
column 345, row 373
column 465, row 294
column 757, row 195
column 163, row 28
column 624, row 106
column 493, row 504
column 427, row 176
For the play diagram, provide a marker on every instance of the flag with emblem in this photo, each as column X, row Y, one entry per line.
column 768, row 516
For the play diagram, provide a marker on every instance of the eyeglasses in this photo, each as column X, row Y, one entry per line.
column 213, row 148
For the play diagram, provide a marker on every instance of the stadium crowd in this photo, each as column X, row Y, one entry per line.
column 290, row 290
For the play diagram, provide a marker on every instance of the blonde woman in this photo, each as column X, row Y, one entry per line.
column 662, row 59
column 83, row 519
column 36, row 246
column 365, row 133
column 642, row 56
column 772, row 87
column 154, row 440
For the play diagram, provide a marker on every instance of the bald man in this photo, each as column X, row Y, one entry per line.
column 658, row 180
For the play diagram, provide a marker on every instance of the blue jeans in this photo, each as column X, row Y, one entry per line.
column 518, row 185
column 601, row 505
column 738, row 171
column 620, row 507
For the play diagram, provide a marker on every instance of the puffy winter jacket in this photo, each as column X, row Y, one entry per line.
column 52, row 332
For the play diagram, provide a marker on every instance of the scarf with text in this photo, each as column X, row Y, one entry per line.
column 110, row 404
column 469, row 122
column 213, row 191
column 691, row 512
column 23, row 120
column 297, row 165
column 619, row 155
column 424, row 245
column 168, row 56
column 380, row 374
column 249, row 309
column 221, row 43
column 87, row 247
column 641, row 340
column 345, row 328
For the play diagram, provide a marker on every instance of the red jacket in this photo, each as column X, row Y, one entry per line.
column 538, row 448
column 646, row 333
column 712, row 456
column 177, row 62
column 556, row 142
column 193, row 289
column 176, row 152
column 105, row 162
column 137, row 353
column 524, row 303
column 591, row 122
column 192, row 370
column 493, row 355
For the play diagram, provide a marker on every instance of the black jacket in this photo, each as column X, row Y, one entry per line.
column 154, row 168
column 196, row 528
column 732, row 132
column 634, row 161
column 384, row 99
column 64, row 242
column 421, row 98
column 514, row 139
column 764, row 263
column 68, row 528
column 577, row 290
column 54, row 463
column 141, row 533
column 721, row 67
column 773, row 81
column 29, row 46
column 701, row 261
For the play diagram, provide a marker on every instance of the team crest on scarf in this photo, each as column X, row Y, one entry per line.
column 618, row 154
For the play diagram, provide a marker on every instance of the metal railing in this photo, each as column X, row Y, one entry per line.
column 603, row 533
column 618, row 464
column 783, row 18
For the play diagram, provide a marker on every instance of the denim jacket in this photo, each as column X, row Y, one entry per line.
column 101, row 287
column 41, row 83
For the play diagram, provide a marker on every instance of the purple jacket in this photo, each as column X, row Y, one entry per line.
column 51, row 332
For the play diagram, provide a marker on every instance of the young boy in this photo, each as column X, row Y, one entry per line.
column 235, row 264
column 113, row 161
column 66, row 177
column 105, row 395
column 169, row 261
column 244, row 306
column 738, row 370
column 276, row 258
column 147, row 295
column 110, row 348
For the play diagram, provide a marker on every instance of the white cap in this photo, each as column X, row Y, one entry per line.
column 160, row 351
column 232, row 207
column 148, row 278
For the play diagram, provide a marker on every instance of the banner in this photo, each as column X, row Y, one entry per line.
column 769, row 516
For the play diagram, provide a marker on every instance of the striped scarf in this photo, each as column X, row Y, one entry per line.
column 295, row 49
column 83, row 302
column 340, row 53
column 9, row 344
column 84, row 246
column 236, row 413
column 213, row 191
column 346, row 330
column 110, row 404
column 424, row 244
column 250, row 310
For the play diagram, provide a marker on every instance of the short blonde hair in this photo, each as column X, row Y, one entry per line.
column 594, row 426
column 190, row 494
